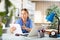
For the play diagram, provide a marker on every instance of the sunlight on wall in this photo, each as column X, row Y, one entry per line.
column 37, row 17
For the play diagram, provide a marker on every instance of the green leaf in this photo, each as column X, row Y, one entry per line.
column 3, row 13
column 8, row 3
column 4, row 20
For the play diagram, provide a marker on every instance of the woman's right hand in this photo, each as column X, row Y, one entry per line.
column 12, row 29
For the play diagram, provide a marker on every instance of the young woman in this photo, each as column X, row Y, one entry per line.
column 24, row 21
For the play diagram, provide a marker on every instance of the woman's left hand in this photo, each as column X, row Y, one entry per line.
column 23, row 27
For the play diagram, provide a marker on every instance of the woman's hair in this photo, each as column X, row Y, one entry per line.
column 25, row 10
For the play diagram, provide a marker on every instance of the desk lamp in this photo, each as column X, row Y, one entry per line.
column 51, row 18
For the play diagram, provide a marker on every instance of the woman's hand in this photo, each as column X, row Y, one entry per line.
column 23, row 27
column 12, row 29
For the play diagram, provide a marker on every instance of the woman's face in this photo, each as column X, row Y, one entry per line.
column 24, row 14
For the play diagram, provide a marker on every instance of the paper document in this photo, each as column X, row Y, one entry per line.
column 18, row 28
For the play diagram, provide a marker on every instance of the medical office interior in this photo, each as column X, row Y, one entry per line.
column 10, row 11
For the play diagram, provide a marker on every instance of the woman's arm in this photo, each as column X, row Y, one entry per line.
column 27, row 28
column 30, row 26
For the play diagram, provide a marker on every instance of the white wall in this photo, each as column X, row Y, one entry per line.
column 2, row 5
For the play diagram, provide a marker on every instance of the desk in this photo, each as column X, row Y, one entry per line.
column 13, row 37
column 8, row 36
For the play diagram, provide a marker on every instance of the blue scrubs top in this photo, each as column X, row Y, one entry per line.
column 28, row 24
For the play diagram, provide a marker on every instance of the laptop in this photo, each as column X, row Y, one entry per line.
column 18, row 30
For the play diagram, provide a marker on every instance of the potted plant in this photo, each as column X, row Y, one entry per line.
column 3, row 15
column 56, row 9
